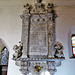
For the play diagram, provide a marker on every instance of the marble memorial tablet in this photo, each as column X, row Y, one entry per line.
column 38, row 42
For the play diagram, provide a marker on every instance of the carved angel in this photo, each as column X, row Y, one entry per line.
column 18, row 50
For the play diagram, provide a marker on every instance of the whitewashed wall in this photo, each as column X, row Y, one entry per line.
column 11, row 26
column 64, row 24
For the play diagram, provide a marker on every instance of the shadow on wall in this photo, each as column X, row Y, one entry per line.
column 71, row 31
column 4, row 55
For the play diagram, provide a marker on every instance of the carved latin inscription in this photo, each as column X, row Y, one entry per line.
column 38, row 41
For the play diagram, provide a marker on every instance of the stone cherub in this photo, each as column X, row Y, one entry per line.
column 59, row 50
column 18, row 50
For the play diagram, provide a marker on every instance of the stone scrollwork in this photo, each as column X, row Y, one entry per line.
column 37, row 51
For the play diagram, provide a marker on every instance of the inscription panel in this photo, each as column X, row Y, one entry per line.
column 38, row 44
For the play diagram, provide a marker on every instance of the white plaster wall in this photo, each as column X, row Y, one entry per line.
column 10, row 29
column 64, row 22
